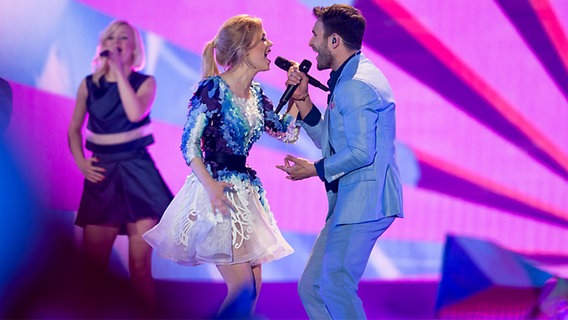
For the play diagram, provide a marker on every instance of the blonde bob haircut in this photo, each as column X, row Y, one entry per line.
column 138, row 58
column 228, row 49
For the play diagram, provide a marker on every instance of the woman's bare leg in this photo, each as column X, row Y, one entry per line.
column 241, row 291
column 257, row 274
column 94, row 279
column 97, row 244
column 140, row 262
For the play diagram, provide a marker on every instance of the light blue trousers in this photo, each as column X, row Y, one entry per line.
column 328, row 286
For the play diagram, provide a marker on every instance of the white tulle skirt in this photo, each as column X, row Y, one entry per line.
column 190, row 233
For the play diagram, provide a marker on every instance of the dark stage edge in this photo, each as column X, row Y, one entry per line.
column 381, row 299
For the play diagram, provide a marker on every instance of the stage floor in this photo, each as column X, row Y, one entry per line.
column 381, row 299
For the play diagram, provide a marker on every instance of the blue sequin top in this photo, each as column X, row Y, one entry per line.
column 218, row 121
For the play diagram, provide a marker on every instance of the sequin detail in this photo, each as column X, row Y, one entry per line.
column 190, row 232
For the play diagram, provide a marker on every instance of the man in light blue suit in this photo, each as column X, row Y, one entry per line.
column 356, row 135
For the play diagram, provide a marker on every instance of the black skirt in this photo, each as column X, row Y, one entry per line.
column 132, row 190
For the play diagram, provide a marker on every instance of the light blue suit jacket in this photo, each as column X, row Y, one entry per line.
column 359, row 126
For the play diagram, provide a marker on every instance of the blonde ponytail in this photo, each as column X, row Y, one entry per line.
column 208, row 65
column 228, row 49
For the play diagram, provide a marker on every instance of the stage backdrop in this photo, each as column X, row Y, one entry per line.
column 481, row 90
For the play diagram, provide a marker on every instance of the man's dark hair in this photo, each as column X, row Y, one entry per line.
column 344, row 20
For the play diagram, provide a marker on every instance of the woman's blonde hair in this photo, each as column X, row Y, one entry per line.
column 138, row 56
column 235, row 37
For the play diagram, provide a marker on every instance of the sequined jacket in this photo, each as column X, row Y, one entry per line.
column 218, row 121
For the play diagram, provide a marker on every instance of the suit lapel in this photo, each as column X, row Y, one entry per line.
column 326, row 143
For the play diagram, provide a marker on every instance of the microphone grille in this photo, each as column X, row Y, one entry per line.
column 305, row 66
column 282, row 63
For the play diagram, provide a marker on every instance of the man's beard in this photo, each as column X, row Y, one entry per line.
column 325, row 59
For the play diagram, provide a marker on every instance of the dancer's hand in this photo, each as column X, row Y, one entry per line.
column 300, row 168
column 91, row 172
column 219, row 201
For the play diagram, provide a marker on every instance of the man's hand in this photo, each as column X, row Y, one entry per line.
column 297, row 168
column 297, row 78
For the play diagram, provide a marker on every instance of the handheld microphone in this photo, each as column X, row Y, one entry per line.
column 285, row 65
column 106, row 52
column 304, row 67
